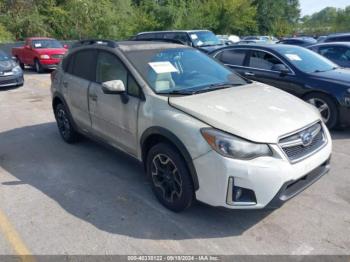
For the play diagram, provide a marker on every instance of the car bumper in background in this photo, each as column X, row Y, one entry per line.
column 13, row 80
column 50, row 63
column 261, row 182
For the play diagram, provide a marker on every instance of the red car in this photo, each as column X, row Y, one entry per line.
column 40, row 52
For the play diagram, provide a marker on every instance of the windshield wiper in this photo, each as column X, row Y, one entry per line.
column 213, row 87
column 176, row 92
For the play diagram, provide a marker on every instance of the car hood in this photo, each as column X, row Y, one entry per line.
column 338, row 76
column 7, row 65
column 256, row 112
column 51, row 51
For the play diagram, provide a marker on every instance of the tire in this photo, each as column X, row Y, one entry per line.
column 38, row 67
column 170, row 178
column 20, row 63
column 327, row 107
column 64, row 124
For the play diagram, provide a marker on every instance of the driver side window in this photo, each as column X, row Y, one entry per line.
column 263, row 60
column 110, row 68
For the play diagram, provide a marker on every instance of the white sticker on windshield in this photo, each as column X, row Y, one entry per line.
column 293, row 57
column 194, row 36
column 163, row 67
column 37, row 45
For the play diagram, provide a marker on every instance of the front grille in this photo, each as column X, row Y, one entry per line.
column 57, row 56
column 304, row 143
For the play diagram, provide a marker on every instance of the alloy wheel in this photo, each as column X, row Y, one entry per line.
column 166, row 177
column 322, row 107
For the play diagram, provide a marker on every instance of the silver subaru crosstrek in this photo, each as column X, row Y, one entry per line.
column 202, row 131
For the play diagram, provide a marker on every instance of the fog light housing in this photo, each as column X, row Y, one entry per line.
column 239, row 196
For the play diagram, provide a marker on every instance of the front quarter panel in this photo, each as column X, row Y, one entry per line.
column 156, row 112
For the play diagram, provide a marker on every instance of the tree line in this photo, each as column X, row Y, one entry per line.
column 328, row 20
column 121, row 19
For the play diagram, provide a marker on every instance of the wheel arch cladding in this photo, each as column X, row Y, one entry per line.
column 154, row 135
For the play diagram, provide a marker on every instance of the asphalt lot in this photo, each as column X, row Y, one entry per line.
column 87, row 199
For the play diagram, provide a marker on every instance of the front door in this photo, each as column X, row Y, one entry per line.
column 262, row 67
column 114, row 116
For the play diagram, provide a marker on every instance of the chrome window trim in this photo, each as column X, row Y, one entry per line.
column 260, row 69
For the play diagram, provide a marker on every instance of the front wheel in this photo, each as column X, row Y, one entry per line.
column 171, row 181
column 326, row 106
column 38, row 67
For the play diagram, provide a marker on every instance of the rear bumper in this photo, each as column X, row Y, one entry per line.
column 15, row 80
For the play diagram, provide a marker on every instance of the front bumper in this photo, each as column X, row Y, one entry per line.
column 273, row 180
column 13, row 80
column 50, row 63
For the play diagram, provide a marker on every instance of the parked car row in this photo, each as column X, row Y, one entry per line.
column 209, row 121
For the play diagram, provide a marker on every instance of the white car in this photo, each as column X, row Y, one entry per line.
column 201, row 130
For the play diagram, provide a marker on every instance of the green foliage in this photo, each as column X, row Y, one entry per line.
column 277, row 17
column 120, row 19
column 328, row 20
column 5, row 36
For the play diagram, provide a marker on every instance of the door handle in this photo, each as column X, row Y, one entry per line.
column 249, row 74
column 93, row 97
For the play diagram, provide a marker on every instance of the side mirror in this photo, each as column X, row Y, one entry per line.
column 65, row 46
column 27, row 47
column 280, row 68
column 113, row 87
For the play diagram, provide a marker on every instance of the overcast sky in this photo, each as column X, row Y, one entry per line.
column 309, row 7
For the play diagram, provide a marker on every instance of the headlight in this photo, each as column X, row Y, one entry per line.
column 17, row 70
column 234, row 147
column 349, row 90
column 44, row 57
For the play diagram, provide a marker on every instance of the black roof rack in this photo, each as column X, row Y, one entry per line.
column 109, row 43
column 174, row 41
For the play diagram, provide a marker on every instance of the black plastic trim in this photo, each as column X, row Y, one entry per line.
column 292, row 188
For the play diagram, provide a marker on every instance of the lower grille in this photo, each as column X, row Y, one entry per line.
column 304, row 143
column 57, row 56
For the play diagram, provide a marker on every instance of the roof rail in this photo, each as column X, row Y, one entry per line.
column 174, row 41
column 104, row 42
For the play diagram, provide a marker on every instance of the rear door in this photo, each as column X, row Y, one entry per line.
column 114, row 116
column 80, row 75
column 234, row 58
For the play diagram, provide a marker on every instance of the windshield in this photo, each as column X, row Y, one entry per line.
column 3, row 56
column 182, row 70
column 306, row 60
column 204, row 38
column 46, row 43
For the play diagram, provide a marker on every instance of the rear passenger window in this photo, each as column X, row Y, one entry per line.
column 233, row 57
column 83, row 65
column 109, row 67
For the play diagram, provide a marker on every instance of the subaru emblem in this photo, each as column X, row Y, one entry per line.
column 306, row 138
